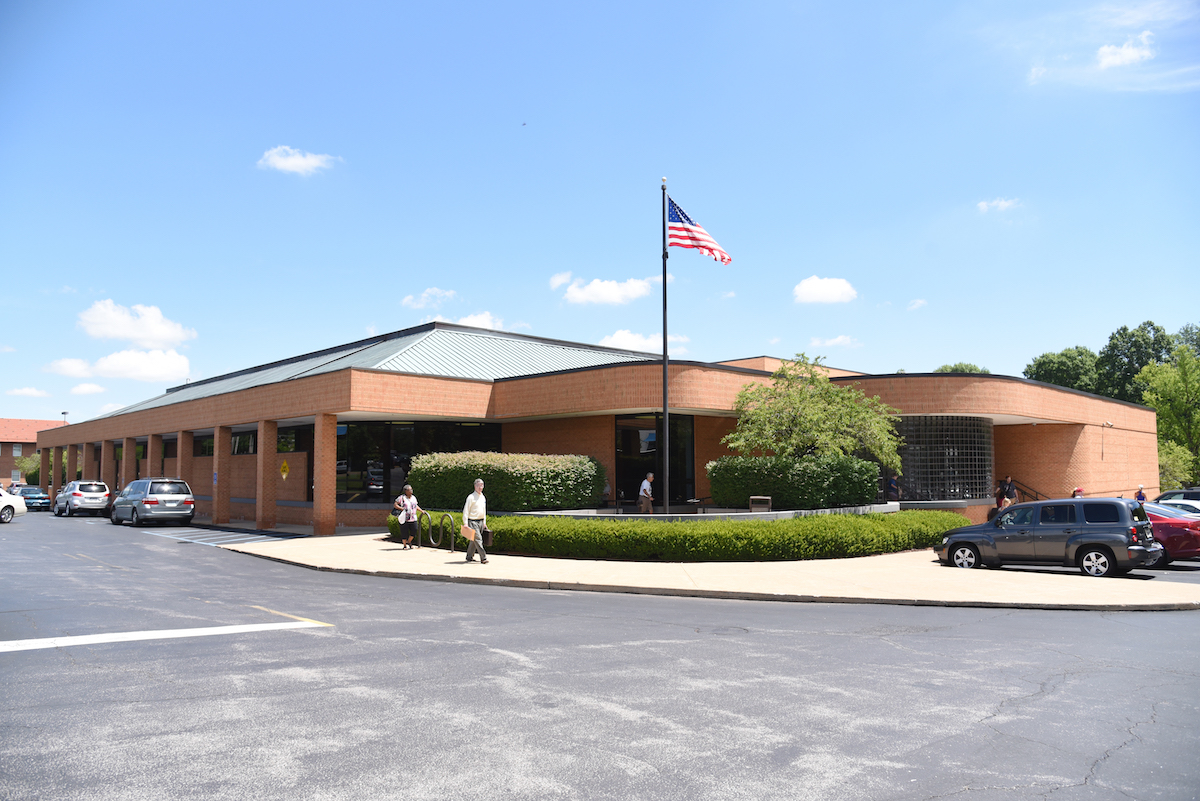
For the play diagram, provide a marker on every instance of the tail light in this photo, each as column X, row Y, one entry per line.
column 149, row 501
column 76, row 494
column 189, row 502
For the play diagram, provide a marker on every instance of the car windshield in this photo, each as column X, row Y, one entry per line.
column 168, row 488
column 29, row 491
column 93, row 488
column 1164, row 511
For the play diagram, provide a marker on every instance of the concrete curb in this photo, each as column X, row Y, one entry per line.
column 739, row 595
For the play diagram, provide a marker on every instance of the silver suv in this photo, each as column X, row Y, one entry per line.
column 154, row 499
column 82, row 496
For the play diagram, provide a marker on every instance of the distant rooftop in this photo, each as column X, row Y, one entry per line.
column 435, row 349
column 12, row 430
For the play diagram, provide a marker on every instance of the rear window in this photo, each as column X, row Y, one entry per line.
column 1139, row 512
column 1101, row 513
column 93, row 488
column 169, row 488
column 1058, row 514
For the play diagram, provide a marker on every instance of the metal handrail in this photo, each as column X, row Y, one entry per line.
column 445, row 526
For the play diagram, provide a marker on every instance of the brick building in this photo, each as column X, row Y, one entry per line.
column 19, row 438
column 327, row 437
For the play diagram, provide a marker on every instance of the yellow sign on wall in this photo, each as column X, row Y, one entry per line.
column 284, row 470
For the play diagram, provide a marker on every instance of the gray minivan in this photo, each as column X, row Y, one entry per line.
column 149, row 500
column 1100, row 536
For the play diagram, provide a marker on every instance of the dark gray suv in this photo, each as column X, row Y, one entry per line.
column 149, row 500
column 1100, row 536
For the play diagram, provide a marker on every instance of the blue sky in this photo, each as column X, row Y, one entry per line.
column 189, row 189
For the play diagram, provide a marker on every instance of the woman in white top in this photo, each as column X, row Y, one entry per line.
column 406, row 510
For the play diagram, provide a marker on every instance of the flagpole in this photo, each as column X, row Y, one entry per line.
column 666, row 416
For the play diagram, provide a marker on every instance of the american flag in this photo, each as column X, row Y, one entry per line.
column 684, row 232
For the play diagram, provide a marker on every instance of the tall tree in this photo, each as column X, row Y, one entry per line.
column 1189, row 335
column 1074, row 368
column 1126, row 353
column 962, row 367
column 802, row 412
column 1173, row 390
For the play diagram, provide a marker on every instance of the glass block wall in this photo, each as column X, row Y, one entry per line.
column 946, row 458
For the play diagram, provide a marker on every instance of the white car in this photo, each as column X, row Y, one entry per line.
column 10, row 506
column 1191, row 507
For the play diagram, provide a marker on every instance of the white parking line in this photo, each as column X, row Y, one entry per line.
column 163, row 634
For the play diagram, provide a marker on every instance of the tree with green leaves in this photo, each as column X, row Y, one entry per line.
column 1189, row 335
column 1173, row 390
column 802, row 412
column 1074, row 368
column 1126, row 353
column 963, row 367
column 1175, row 465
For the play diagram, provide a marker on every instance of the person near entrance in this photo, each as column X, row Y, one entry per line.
column 646, row 496
column 405, row 508
column 475, row 516
column 1010, row 492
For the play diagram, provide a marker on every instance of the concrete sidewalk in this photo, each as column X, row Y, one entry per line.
column 910, row 578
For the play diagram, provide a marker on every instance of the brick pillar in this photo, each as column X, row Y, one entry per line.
column 264, row 487
column 44, row 471
column 222, row 470
column 128, row 461
column 184, row 451
column 154, row 458
column 72, row 463
column 325, row 474
column 108, row 466
column 91, row 468
column 56, row 472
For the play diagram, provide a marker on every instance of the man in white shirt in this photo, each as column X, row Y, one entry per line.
column 475, row 516
column 645, row 496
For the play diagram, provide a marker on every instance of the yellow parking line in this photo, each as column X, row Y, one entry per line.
column 293, row 617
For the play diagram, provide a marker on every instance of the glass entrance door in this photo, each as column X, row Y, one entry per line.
column 638, row 436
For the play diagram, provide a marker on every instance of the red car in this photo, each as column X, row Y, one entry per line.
column 1178, row 531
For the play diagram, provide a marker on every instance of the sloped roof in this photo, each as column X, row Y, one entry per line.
column 25, row 430
column 434, row 349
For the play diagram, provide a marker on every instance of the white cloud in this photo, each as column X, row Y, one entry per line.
column 371, row 330
column 773, row 341
column 913, row 305
column 432, row 297
column 145, row 326
column 1134, row 50
column 28, row 392
column 141, row 365
column 1035, row 74
column 110, row 407
column 730, row 294
column 287, row 159
column 824, row 290
column 72, row 368
column 611, row 292
column 842, row 341
column 86, row 389
column 7, row 349
column 999, row 204
column 558, row 279
column 651, row 343
column 482, row 320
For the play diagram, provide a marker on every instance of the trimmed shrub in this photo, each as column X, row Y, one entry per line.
column 514, row 482
column 806, row 482
column 393, row 524
column 815, row 537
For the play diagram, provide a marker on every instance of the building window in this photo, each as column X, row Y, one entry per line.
column 170, row 449
column 945, row 458
column 16, row 449
column 202, row 446
column 244, row 444
column 638, row 454
column 285, row 441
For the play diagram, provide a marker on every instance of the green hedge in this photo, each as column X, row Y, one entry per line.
column 514, row 482
column 806, row 482
column 641, row 539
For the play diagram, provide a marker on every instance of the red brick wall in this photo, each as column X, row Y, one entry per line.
column 1054, row 459
column 708, row 433
column 589, row 436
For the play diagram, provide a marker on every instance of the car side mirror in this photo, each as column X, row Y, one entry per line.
column 996, row 522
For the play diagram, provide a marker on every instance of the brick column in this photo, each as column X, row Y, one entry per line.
column 222, row 470
column 184, row 450
column 325, row 474
column 72, row 463
column 91, row 468
column 264, row 487
column 128, row 461
column 154, row 457
column 44, row 471
column 56, row 472
column 108, row 467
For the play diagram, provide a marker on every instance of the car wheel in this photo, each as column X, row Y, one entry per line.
column 965, row 555
column 6, row 514
column 112, row 518
column 133, row 518
column 1097, row 562
column 70, row 510
column 55, row 510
